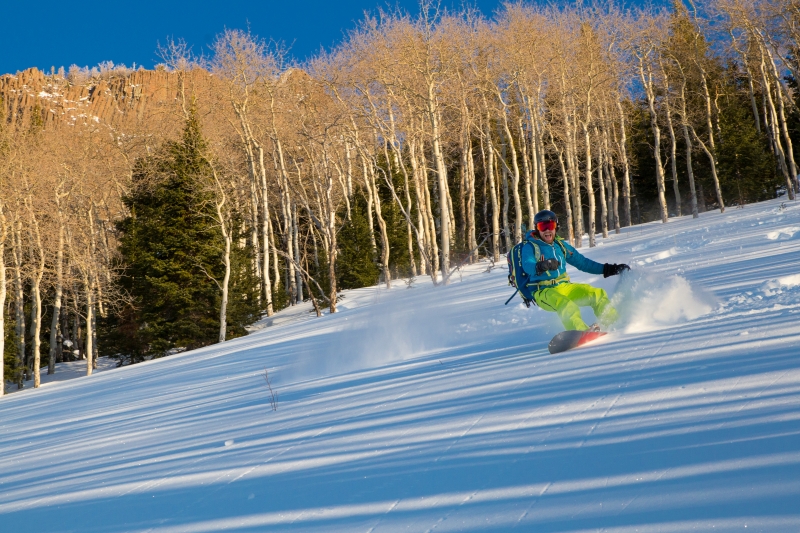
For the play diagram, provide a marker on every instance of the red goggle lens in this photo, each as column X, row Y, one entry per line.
column 546, row 225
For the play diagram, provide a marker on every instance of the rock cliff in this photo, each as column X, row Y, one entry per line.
column 115, row 100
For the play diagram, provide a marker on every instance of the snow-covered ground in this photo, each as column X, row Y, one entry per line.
column 441, row 410
column 64, row 371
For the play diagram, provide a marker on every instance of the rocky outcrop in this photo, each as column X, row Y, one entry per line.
column 114, row 100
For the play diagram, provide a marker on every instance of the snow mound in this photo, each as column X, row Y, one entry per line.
column 790, row 281
column 648, row 302
column 772, row 295
column 783, row 233
column 777, row 286
column 666, row 254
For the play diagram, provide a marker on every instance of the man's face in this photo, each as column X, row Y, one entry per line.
column 547, row 230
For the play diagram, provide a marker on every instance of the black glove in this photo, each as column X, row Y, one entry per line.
column 546, row 264
column 613, row 270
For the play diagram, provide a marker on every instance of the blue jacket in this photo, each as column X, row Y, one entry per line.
column 555, row 251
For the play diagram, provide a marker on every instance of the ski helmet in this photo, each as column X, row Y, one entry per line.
column 544, row 216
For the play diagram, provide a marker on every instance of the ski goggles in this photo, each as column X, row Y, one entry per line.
column 546, row 225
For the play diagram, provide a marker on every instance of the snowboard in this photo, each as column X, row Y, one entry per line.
column 567, row 340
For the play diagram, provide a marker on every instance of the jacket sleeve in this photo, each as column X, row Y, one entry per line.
column 580, row 262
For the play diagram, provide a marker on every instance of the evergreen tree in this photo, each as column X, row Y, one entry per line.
column 746, row 168
column 170, row 249
column 12, row 369
column 357, row 266
column 243, row 292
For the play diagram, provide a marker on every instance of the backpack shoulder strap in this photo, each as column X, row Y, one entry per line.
column 537, row 252
column 516, row 251
column 560, row 242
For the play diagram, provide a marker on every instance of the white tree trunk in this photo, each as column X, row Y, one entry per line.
column 688, row 141
column 385, row 250
column 506, row 202
column 299, row 275
column 89, row 351
column 567, row 203
column 784, row 129
column 19, row 302
column 601, row 181
column 711, row 150
column 266, row 281
column 226, row 260
column 673, row 159
column 54, row 341
column 531, row 189
column 626, row 173
column 441, row 170
column 3, row 289
column 36, row 294
column 276, row 270
column 488, row 172
column 589, row 186
column 515, row 175
column 428, row 207
column 647, row 82
column 545, row 186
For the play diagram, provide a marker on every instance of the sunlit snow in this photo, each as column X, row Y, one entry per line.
column 440, row 409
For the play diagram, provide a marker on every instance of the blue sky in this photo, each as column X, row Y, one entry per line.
column 63, row 33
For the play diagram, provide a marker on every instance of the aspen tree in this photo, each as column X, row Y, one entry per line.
column 3, row 289
column 19, row 297
column 224, row 224
column 518, row 40
column 678, row 62
column 219, row 188
column 591, row 87
column 248, row 66
column 775, row 136
column 563, row 38
column 503, row 78
column 368, row 63
column 699, row 59
column 467, row 37
column 60, row 197
column 614, row 215
column 673, row 159
column 424, row 52
column 645, row 47
column 626, row 174
column 38, row 260
column 6, row 154
column 601, row 186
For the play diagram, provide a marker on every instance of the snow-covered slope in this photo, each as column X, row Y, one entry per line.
column 441, row 410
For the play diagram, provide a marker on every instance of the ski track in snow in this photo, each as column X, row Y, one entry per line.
column 440, row 409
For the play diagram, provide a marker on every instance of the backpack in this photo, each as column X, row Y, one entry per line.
column 517, row 277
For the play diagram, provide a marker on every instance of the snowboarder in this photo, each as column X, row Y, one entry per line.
column 545, row 263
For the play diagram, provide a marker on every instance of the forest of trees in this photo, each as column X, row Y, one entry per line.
column 416, row 146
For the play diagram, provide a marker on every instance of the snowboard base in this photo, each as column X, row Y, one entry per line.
column 567, row 340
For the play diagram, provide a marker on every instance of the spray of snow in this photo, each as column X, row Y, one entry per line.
column 381, row 334
column 648, row 301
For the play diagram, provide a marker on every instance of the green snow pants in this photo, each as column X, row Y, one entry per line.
column 566, row 298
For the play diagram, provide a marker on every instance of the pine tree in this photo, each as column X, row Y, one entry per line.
column 747, row 169
column 170, row 249
column 357, row 265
